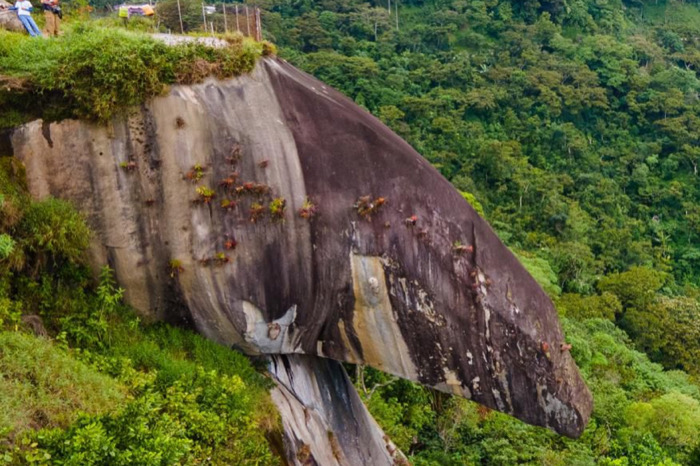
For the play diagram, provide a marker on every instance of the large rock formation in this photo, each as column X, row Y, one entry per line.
column 9, row 19
column 376, row 260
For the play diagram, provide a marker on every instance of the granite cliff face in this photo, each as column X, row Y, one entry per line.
column 374, row 258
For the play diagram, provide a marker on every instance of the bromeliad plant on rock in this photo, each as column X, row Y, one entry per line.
column 460, row 248
column 205, row 194
column 228, row 204
column 195, row 173
column 129, row 165
column 257, row 211
column 308, row 209
column 366, row 207
column 278, row 207
column 175, row 267
column 229, row 181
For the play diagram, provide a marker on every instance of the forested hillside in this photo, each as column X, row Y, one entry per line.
column 574, row 126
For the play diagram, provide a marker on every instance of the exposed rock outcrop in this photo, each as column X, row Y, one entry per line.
column 9, row 19
column 323, row 416
column 376, row 259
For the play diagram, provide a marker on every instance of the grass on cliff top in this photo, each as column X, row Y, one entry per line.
column 93, row 72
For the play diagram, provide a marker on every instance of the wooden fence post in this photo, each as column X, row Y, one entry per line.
column 179, row 15
column 258, row 25
column 247, row 19
column 238, row 25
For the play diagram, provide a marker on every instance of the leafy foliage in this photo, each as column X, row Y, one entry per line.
column 94, row 72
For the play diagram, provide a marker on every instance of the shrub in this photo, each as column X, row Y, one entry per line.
column 541, row 271
column 604, row 306
column 12, row 191
column 7, row 245
column 53, row 229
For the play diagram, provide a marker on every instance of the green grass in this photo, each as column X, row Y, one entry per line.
column 147, row 395
column 176, row 353
column 42, row 385
column 95, row 72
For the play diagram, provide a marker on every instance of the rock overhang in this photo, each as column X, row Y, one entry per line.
column 394, row 269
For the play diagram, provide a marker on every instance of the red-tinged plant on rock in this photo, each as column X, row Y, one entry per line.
column 545, row 349
column 227, row 182
column 175, row 267
column 129, row 166
column 221, row 258
column 260, row 189
column 257, row 210
column 236, row 153
column 277, row 208
column 149, row 202
column 264, row 164
column 411, row 221
column 228, row 204
column 460, row 248
column 205, row 194
column 205, row 261
column 366, row 207
column 195, row 174
column 230, row 244
column 308, row 209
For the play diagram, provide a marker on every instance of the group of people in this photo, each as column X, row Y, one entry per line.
column 52, row 16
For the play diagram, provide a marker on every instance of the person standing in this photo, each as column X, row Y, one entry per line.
column 52, row 17
column 24, row 8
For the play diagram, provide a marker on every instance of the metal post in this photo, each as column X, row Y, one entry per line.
column 247, row 19
column 225, row 22
column 179, row 15
column 204, row 17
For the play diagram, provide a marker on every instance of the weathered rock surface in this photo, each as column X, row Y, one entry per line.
column 415, row 283
column 323, row 416
column 9, row 19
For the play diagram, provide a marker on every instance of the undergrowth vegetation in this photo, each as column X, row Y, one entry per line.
column 83, row 381
column 642, row 414
column 93, row 72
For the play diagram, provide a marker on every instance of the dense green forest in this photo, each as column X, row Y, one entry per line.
column 573, row 125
